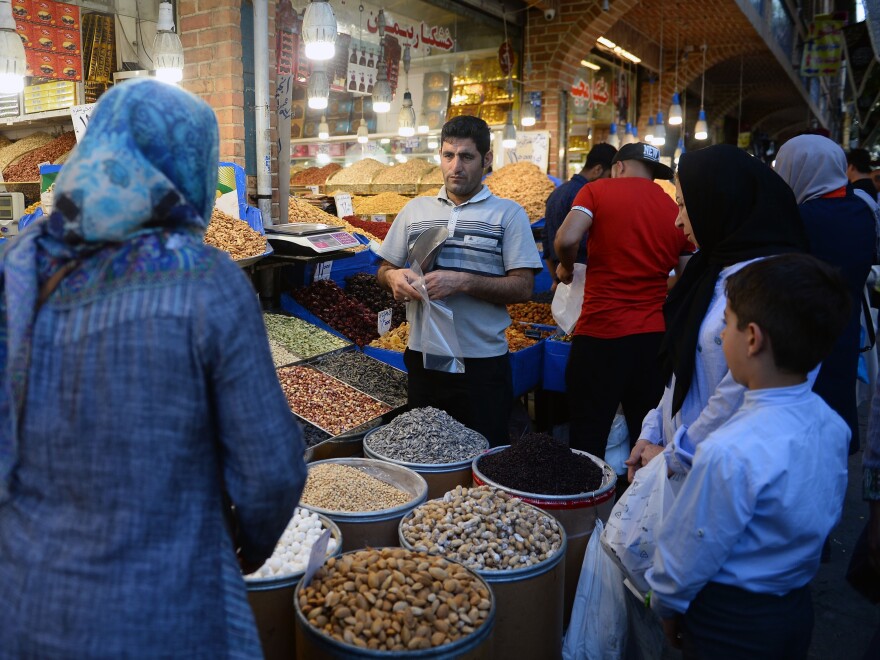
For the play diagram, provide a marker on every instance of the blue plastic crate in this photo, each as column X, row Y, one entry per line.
column 555, row 362
column 526, row 366
column 392, row 358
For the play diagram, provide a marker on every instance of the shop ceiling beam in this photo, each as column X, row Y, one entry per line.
column 543, row 5
column 261, row 110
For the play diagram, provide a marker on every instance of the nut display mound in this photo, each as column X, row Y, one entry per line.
column 396, row 340
column 525, row 184
column 536, row 463
column 377, row 230
column 532, row 312
column 366, row 374
column 435, row 176
column 517, row 339
column 360, row 172
column 329, row 303
column 21, row 147
column 426, row 436
column 299, row 210
column 392, row 599
column 386, row 203
column 326, row 402
column 299, row 338
column 315, row 176
column 409, row 172
column 483, row 528
column 234, row 236
column 336, row 487
column 27, row 166
column 291, row 554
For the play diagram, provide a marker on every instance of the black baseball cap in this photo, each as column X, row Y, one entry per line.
column 647, row 154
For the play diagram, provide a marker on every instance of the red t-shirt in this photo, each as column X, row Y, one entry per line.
column 632, row 246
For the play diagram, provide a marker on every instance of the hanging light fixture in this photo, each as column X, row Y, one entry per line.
column 659, row 128
column 675, row 108
column 323, row 129
column 679, row 150
column 12, row 57
column 422, row 126
column 628, row 137
column 382, row 95
column 167, row 49
column 527, row 114
column 659, row 131
column 613, row 137
column 318, row 89
column 649, row 133
column 363, row 133
column 406, row 120
column 319, row 31
column 508, row 136
column 701, row 130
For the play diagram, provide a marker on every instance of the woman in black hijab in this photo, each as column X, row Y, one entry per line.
column 735, row 209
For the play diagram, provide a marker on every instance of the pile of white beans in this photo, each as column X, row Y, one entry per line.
column 292, row 551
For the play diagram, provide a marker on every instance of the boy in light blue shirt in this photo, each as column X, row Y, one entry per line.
column 738, row 548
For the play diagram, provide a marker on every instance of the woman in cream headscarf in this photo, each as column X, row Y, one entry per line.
column 137, row 388
column 842, row 232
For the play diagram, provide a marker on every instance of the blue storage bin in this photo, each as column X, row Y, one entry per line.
column 555, row 362
column 526, row 366
column 393, row 358
column 543, row 281
column 289, row 305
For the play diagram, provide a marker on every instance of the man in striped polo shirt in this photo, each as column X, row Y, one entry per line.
column 488, row 261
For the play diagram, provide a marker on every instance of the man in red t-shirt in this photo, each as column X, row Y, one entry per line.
column 632, row 246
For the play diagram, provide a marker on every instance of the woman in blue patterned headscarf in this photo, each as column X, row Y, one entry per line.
column 137, row 388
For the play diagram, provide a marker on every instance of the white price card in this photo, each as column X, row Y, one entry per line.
column 314, row 189
column 344, row 206
column 80, row 114
column 377, row 218
column 384, row 321
column 322, row 270
column 316, row 557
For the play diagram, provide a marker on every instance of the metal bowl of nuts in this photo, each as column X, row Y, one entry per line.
column 439, row 610
column 365, row 497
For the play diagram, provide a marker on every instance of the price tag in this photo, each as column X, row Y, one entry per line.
column 322, row 270
column 80, row 114
column 344, row 206
column 316, row 557
column 314, row 189
column 384, row 321
column 377, row 218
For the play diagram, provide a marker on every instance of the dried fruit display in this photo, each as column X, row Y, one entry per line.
column 315, row 176
column 374, row 230
column 234, row 236
column 329, row 303
column 362, row 171
column 532, row 312
column 386, row 203
column 409, row 172
column 27, row 166
column 22, row 146
column 395, row 340
column 525, row 184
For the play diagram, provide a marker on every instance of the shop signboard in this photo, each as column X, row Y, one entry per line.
column 823, row 50
column 80, row 115
column 416, row 35
column 534, row 147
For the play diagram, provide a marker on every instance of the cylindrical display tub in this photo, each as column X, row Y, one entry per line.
column 440, row 477
column 271, row 600
column 314, row 645
column 345, row 445
column 577, row 513
column 529, row 606
column 375, row 528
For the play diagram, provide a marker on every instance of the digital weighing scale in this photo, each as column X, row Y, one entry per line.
column 309, row 238
column 11, row 210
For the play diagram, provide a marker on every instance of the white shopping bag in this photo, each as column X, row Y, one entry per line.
column 631, row 527
column 568, row 300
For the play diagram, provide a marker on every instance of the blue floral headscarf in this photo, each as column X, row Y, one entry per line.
column 146, row 165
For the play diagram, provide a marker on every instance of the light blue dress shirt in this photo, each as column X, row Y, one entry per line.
column 764, row 492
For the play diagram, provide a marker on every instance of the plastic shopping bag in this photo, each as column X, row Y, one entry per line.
column 617, row 448
column 629, row 533
column 440, row 348
column 568, row 300
column 598, row 618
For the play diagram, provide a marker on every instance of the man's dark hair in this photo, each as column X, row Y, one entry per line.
column 465, row 126
column 859, row 159
column 800, row 302
column 601, row 154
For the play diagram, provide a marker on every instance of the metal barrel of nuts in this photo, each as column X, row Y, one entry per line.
column 516, row 547
column 364, row 497
column 577, row 511
column 431, row 443
column 393, row 602
column 270, row 589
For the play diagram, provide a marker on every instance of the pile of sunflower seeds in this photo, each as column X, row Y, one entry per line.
column 426, row 436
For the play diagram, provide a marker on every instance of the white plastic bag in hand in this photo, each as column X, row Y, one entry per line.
column 631, row 527
column 440, row 348
column 568, row 300
column 598, row 618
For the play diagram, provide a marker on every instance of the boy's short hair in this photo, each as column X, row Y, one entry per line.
column 602, row 154
column 859, row 159
column 800, row 302
column 465, row 126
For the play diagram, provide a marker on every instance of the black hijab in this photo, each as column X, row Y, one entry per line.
column 739, row 209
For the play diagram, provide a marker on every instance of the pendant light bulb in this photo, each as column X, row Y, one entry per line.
column 508, row 136
column 319, row 31
column 649, row 133
column 659, row 131
column 527, row 115
column 382, row 95
column 406, row 120
column 422, row 127
column 613, row 137
column 363, row 133
column 628, row 137
column 323, row 129
column 167, row 48
column 318, row 89
column 701, row 130
column 675, row 116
